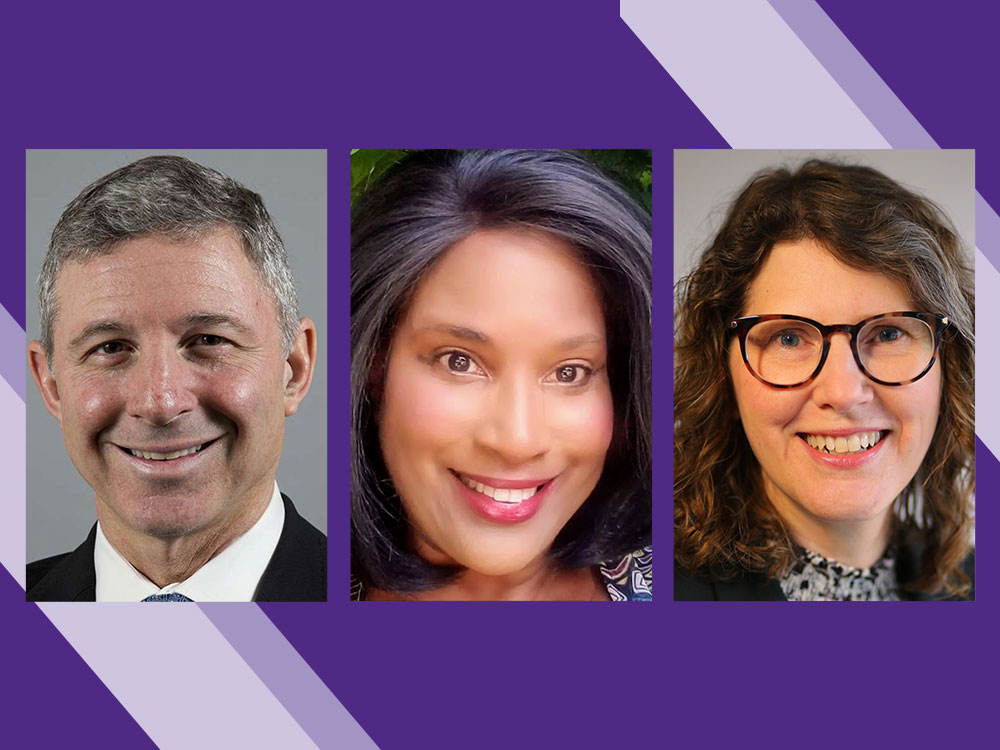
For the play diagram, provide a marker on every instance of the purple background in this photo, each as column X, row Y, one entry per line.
column 523, row 74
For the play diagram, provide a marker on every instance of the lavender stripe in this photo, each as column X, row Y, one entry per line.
column 987, row 233
column 987, row 355
column 774, row 74
column 850, row 69
column 12, row 539
column 13, row 343
column 179, row 678
column 875, row 99
column 288, row 676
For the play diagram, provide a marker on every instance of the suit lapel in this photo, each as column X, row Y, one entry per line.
column 297, row 570
column 71, row 579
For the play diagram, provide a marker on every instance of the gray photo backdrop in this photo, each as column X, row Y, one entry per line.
column 707, row 180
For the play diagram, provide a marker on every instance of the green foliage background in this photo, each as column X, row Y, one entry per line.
column 632, row 168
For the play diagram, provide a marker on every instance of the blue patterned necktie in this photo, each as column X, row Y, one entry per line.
column 167, row 598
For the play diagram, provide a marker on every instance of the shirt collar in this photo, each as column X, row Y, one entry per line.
column 230, row 576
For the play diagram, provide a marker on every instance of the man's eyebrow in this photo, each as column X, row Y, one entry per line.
column 211, row 320
column 97, row 328
column 191, row 320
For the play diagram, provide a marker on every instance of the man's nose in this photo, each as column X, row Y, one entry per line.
column 841, row 385
column 159, row 385
column 514, row 425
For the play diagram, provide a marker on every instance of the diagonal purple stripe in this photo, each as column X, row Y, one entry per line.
column 12, row 344
column 195, row 685
column 987, row 476
column 850, row 69
column 987, row 397
column 52, row 698
column 776, row 74
column 987, row 231
column 874, row 97
column 12, row 515
column 288, row 676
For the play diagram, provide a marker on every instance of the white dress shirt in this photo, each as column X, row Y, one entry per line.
column 230, row 576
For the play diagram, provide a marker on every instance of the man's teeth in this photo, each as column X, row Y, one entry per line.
column 500, row 496
column 165, row 456
column 859, row 441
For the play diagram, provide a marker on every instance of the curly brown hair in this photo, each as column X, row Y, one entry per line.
column 723, row 523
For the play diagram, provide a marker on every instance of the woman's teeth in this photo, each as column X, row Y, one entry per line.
column 856, row 443
column 500, row 496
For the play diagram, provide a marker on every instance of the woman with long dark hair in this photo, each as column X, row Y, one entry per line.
column 500, row 381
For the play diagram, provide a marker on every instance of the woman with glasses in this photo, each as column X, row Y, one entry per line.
column 824, row 430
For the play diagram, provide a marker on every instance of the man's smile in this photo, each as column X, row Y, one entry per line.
column 168, row 459
column 167, row 453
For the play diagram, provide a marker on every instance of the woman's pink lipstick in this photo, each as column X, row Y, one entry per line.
column 501, row 512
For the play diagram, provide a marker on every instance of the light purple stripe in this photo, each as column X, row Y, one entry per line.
column 288, row 676
column 744, row 68
column 12, row 444
column 850, row 69
column 987, row 231
column 987, row 353
column 13, row 346
column 874, row 98
column 178, row 677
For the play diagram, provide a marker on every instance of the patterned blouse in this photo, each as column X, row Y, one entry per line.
column 629, row 579
column 817, row 578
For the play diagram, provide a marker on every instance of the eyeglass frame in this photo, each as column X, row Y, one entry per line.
column 740, row 327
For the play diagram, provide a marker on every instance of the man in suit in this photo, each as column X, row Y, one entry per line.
column 171, row 354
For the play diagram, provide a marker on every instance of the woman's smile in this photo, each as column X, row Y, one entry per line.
column 510, row 504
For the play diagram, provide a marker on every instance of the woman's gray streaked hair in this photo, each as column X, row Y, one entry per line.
column 178, row 199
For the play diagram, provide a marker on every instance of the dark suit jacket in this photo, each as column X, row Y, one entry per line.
column 756, row 588
column 296, row 572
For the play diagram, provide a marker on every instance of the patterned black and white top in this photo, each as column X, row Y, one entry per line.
column 629, row 579
column 819, row 579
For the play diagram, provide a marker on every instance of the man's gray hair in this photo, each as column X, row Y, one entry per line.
column 181, row 200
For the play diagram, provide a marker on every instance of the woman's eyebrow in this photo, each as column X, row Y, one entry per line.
column 471, row 334
column 574, row 342
column 460, row 332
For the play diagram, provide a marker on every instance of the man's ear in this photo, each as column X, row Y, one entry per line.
column 44, row 379
column 299, row 366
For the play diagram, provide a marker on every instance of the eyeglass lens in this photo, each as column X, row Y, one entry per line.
column 787, row 352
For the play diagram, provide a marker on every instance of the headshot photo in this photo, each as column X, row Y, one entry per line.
column 824, row 376
column 177, row 435
column 501, row 363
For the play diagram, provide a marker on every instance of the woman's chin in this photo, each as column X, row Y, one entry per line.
column 501, row 562
column 854, row 509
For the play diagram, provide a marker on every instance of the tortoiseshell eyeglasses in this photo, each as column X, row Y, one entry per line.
column 788, row 351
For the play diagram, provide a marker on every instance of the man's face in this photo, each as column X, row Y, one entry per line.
column 170, row 383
